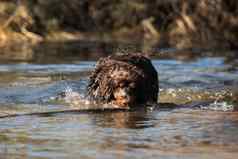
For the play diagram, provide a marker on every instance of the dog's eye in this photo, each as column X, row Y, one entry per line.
column 132, row 85
column 127, row 84
column 124, row 84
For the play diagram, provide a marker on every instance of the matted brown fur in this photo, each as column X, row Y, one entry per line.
column 125, row 80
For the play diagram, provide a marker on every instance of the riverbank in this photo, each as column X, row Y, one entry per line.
column 205, row 24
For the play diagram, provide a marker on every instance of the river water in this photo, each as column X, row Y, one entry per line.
column 208, row 130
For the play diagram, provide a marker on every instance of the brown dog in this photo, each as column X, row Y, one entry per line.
column 125, row 80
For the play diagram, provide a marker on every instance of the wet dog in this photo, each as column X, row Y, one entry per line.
column 127, row 80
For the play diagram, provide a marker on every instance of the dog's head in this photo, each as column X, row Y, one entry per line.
column 126, row 84
column 124, row 80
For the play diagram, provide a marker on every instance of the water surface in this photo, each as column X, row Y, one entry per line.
column 209, row 131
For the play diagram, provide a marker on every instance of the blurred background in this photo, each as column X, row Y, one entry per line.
column 32, row 27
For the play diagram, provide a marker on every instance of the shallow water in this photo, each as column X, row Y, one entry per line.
column 207, row 131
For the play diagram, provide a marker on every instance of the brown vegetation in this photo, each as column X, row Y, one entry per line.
column 174, row 23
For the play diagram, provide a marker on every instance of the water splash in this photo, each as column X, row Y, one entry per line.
column 219, row 106
column 77, row 100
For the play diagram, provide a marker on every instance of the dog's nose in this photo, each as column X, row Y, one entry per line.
column 122, row 93
column 122, row 97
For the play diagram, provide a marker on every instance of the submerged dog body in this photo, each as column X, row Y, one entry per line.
column 125, row 80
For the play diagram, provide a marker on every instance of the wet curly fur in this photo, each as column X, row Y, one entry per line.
column 124, row 80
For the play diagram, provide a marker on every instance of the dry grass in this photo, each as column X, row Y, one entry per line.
column 183, row 24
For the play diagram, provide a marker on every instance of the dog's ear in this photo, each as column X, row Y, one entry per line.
column 106, row 91
column 100, row 83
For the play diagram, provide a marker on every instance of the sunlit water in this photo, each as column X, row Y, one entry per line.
column 206, row 131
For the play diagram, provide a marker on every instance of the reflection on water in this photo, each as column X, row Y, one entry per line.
column 182, row 133
column 210, row 132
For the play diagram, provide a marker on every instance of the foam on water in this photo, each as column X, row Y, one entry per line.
column 219, row 106
column 79, row 101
